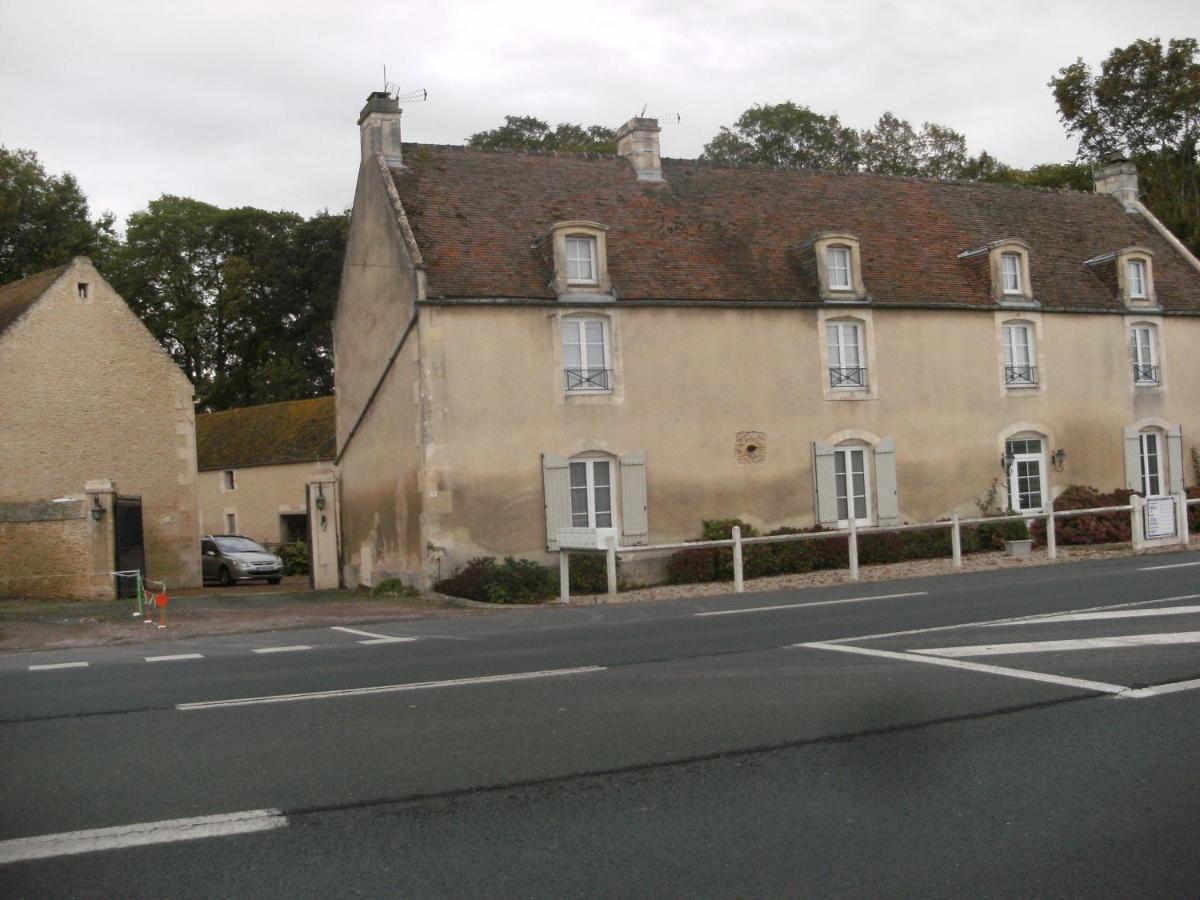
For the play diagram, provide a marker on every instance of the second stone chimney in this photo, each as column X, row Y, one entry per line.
column 637, row 141
column 1118, row 177
column 379, row 123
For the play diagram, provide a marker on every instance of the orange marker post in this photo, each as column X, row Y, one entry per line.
column 161, row 602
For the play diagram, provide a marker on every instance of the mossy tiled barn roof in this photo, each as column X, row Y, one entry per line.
column 273, row 434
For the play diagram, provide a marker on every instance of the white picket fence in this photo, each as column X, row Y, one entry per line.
column 1136, row 509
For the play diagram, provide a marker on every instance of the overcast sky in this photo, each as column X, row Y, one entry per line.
column 254, row 102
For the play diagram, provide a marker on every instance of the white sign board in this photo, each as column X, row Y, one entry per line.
column 1160, row 517
column 586, row 538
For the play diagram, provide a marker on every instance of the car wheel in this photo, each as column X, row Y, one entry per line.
column 226, row 578
column 274, row 580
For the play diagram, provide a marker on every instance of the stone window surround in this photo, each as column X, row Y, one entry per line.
column 1145, row 256
column 822, row 242
column 1155, row 324
column 866, row 327
column 601, row 288
column 996, row 251
column 612, row 348
column 1034, row 321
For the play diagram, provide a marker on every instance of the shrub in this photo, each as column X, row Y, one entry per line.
column 877, row 549
column 512, row 581
column 394, row 587
column 693, row 566
column 722, row 529
column 589, row 573
column 1103, row 528
column 471, row 581
column 791, row 557
column 992, row 535
column 295, row 558
column 1193, row 493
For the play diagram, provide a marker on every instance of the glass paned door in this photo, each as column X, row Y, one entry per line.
column 850, row 474
column 1025, row 476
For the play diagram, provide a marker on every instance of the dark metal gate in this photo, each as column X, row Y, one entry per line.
column 131, row 551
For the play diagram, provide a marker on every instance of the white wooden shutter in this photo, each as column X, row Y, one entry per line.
column 556, row 484
column 885, row 482
column 1175, row 459
column 1133, row 460
column 635, row 525
column 824, row 484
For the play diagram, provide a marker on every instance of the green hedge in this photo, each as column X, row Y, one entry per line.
column 512, row 581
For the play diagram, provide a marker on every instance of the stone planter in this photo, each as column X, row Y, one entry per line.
column 1018, row 548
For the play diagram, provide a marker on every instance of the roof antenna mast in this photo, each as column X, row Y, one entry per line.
column 420, row 95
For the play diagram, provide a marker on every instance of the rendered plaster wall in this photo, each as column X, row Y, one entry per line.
column 690, row 382
column 262, row 495
column 87, row 393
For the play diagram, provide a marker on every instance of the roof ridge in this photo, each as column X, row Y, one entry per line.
column 518, row 151
column 233, row 409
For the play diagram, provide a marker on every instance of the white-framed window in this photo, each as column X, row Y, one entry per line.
column 1136, row 275
column 1144, row 345
column 581, row 259
column 1025, row 487
column 591, row 493
column 1020, row 355
column 852, row 478
column 585, row 349
column 1151, row 460
column 231, row 523
column 228, row 482
column 1010, row 273
column 838, row 261
column 844, row 346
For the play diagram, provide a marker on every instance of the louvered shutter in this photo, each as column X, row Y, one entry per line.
column 885, row 482
column 635, row 525
column 1175, row 459
column 1133, row 460
column 824, row 484
column 556, row 485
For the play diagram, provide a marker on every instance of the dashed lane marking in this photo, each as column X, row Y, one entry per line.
column 174, row 657
column 756, row 609
column 164, row 832
column 378, row 638
column 1172, row 566
column 70, row 665
column 291, row 649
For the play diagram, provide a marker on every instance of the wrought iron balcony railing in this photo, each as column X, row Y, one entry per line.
column 1145, row 374
column 588, row 379
column 840, row 377
column 1020, row 375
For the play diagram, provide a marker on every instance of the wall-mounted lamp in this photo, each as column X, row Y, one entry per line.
column 1058, row 458
column 320, row 496
column 97, row 509
column 1006, row 461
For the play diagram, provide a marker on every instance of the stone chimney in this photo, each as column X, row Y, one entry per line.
column 1118, row 177
column 637, row 141
column 379, row 123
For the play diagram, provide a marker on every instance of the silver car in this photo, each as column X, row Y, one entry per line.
column 231, row 558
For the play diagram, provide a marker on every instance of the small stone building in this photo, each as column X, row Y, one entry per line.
column 255, row 463
column 93, row 413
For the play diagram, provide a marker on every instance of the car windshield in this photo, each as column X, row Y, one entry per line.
column 239, row 545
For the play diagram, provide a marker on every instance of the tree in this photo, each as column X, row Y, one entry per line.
column 785, row 134
column 530, row 133
column 44, row 219
column 894, row 147
column 1145, row 103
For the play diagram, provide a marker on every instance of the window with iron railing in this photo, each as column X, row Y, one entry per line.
column 1144, row 343
column 589, row 379
column 1019, row 355
column 1020, row 375
column 842, row 377
column 586, row 355
column 843, row 343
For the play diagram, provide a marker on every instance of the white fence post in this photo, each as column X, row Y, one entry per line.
column 737, row 559
column 564, row 577
column 853, row 546
column 1051, row 537
column 612, row 566
column 1136, row 522
column 956, row 540
column 1181, row 517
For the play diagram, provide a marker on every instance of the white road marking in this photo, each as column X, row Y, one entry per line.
column 1112, row 614
column 1173, row 566
column 1009, row 620
column 378, row 638
column 390, row 688
column 1159, row 689
column 70, row 665
column 291, row 649
column 164, row 832
column 1097, row 686
column 1099, row 643
column 755, row 609
column 174, row 657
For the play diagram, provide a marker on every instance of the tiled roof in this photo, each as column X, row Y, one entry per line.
column 17, row 296
column 711, row 233
column 273, row 434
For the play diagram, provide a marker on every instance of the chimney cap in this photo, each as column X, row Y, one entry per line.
column 379, row 102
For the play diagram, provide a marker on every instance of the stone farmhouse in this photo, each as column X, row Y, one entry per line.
column 255, row 464
column 529, row 341
column 97, row 443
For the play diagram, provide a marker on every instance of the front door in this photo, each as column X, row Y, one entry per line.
column 130, row 544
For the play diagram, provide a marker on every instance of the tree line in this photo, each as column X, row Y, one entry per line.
column 243, row 298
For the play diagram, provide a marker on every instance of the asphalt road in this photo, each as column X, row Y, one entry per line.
column 941, row 737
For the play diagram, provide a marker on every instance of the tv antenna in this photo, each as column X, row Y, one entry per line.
column 663, row 119
column 420, row 95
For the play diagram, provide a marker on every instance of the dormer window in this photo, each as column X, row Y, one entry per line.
column 1135, row 276
column 579, row 259
column 1008, row 267
column 1010, row 272
column 838, row 265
